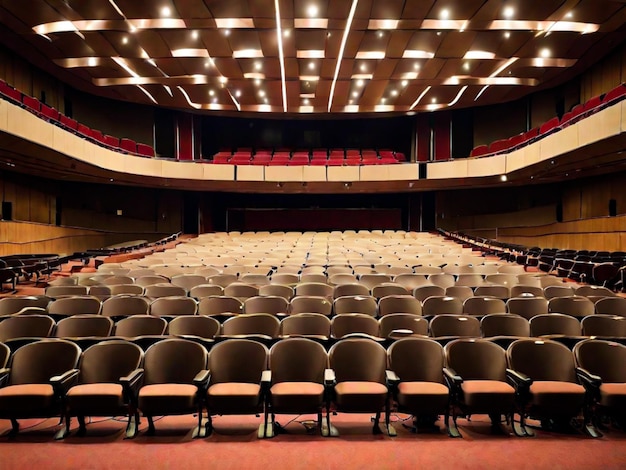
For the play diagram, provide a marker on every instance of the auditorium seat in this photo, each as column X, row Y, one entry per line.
column 498, row 146
column 172, row 306
column 75, row 305
column 398, row 325
column 83, row 326
column 399, row 303
column 125, row 305
column 354, row 323
column 236, row 369
column 416, row 380
column 196, row 326
column 310, row 304
column 604, row 325
column 69, row 123
column 576, row 306
column 39, row 376
column 454, row 326
column 221, row 305
column 359, row 384
column 611, row 306
column 544, row 375
column 549, row 126
column 279, row 290
column 145, row 150
column 437, row 305
column 555, row 324
column 26, row 326
column 140, row 325
column 241, row 290
column 355, row 304
column 504, row 324
column 128, row 146
column 104, row 384
column 592, row 105
column 295, row 376
column 527, row 307
column 479, row 151
column 49, row 113
column 263, row 326
column 476, row 376
column 614, row 95
column 175, row 378
column 112, row 142
column 313, row 325
column 10, row 92
column 601, row 371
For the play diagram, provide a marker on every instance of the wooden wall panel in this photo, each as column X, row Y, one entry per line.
column 40, row 238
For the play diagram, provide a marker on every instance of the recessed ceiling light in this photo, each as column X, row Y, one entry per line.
column 214, row 100
column 329, row 34
column 363, row 68
column 569, row 14
column 261, row 93
column 351, row 102
column 360, row 82
column 508, row 12
column 125, row 40
column 265, row 100
column 434, row 100
column 416, row 66
column 507, row 34
column 380, row 34
column 223, row 80
column 305, row 101
column 132, row 28
column 503, row 178
column 92, row 62
column 227, row 32
column 438, row 33
column 194, row 35
column 394, row 92
column 382, row 100
column 257, row 65
column 444, row 14
column 257, row 81
column 405, row 82
column 211, row 93
column 466, row 66
column 238, row 93
column 311, row 65
column 286, row 32
column 355, row 93
column 312, row 11
column 166, row 12
column 545, row 52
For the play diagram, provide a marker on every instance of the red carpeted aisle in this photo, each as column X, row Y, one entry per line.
column 235, row 446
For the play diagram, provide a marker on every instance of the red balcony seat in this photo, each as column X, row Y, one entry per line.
column 318, row 162
column 498, row 146
column 111, row 141
column 128, row 145
column 84, row 130
column 220, row 158
column 516, row 140
column 49, row 113
column 400, row 157
column 388, row 161
column 549, row 126
column 479, row 151
column 10, row 92
column 531, row 134
column 613, row 96
column 592, row 105
column 68, row 122
column 32, row 104
column 145, row 150
column 335, row 162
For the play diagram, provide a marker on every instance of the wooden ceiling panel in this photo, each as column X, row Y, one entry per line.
column 399, row 72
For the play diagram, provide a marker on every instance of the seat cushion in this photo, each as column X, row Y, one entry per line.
column 26, row 399
column 163, row 399
column 360, row 397
column 557, row 398
column 96, row 399
column 487, row 396
column 613, row 395
column 234, row 398
column 422, row 396
column 294, row 397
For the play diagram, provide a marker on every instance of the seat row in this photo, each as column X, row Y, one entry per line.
column 53, row 116
column 333, row 157
column 578, row 112
column 146, row 329
column 533, row 378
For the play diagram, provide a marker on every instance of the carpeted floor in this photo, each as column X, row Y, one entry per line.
column 234, row 445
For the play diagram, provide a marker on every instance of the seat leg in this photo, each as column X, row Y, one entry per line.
column 151, row 428
column 65, row 429
column 133, row 424
column 453, row 430
column 376, row 428
column 328, row 430
column 391, row 431
column 209, row 425
column 199, row 431
column 15, row 428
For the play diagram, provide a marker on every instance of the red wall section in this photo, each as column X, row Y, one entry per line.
column 184, row 142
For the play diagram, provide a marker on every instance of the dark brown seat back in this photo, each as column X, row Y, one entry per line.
column 174, row 360
column 197, row 325
column 358, row 359
column 603, row 358
column 36, row 363
column 476, row 359
column 402, row 321
column 237, row 360
column 80, row 326
column 417, row 360
column 252, row 324
column 455, row 325
column 555, row 324
column 139, row 325
column 108, row 361
column 27, row 326
column 542, row 360
column 305, row 324
column 298, row 360
column 504, row 324
column 348, row 323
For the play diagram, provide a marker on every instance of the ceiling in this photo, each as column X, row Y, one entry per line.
column 314, row 56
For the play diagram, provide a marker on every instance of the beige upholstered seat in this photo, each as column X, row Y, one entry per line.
column 314, row 325
column 236, row 369
column 140, row 325
column 174, row 381
column 102, row 389
column 38, row 377
column 26, row 326
column 125, row 305
column 476, row 376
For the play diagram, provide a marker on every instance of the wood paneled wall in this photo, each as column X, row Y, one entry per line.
column 27, row 237
column 606, row 74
